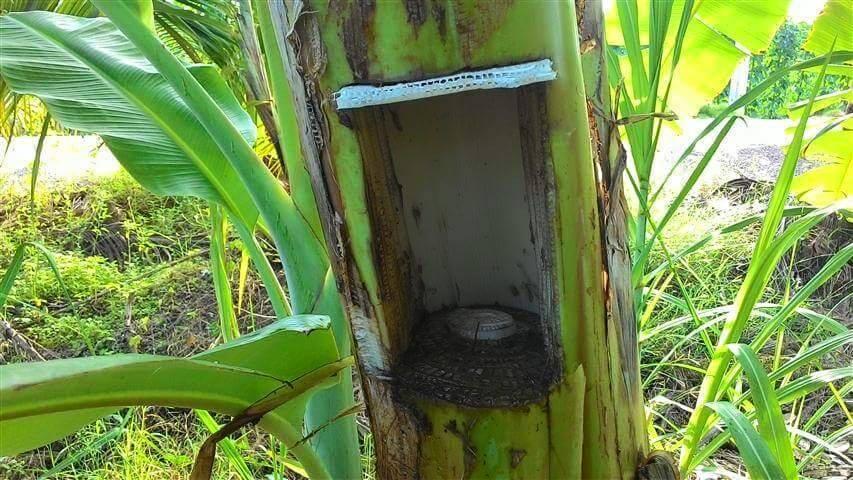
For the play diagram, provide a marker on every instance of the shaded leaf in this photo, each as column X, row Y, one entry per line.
column 45, row 401
column 771, row 422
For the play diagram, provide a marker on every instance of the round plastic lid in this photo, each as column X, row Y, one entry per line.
column 481, row 323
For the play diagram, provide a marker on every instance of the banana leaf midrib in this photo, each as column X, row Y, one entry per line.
column 149, row 113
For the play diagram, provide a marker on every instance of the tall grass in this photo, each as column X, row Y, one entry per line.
column 768, row 251
column 715, row 331
column 703, row 338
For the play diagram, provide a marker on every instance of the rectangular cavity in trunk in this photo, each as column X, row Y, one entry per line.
column 460, row 195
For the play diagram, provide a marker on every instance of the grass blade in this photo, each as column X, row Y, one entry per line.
column 37, row 161
column 89, row 448
column 222, row 287
column 628, row 19
column 790, row 392
column 811, row 382
column 838, row 261
column 829, row 269
column 679, row 198
column 779, row 197
column 241, row 278
column 756, row 455
column 229, row 448
column 11, row 273
column 825, row 444
column 734, row 227
column 771, row 422
column 275, row 292
column 827, row 405
column 812, row 353
column 54, row 267
column 766, row 254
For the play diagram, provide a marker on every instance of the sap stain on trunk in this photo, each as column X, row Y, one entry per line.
column 357, row 34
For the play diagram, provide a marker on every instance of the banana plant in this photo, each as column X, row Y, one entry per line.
column 179, row 130
column 200, row 31
column 245, row 378
column 829, row 145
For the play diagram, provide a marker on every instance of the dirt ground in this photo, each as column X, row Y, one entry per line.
column 753, row 149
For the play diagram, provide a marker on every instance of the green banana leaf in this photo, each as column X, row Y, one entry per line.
column 94, row 80
column 179, row 131
column 719, row 36
column 42, row 402
column 832, row 25
column 832, row 179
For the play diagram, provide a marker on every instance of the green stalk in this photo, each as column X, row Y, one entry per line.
column 303, row 253
column 227, row 321
column 228, row 327
column 271, row 17
column 645, row 248
column 274, row 28
column 275, row 292
column 37, row 161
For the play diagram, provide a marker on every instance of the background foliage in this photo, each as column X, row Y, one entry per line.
column 786, row 50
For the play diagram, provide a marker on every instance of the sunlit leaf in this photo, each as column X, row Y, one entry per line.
column 832, row 179
column 832, row 25
column 705, row 69
column 821, row 102
column 720, row 35
column 92, row 79
column 756, row 455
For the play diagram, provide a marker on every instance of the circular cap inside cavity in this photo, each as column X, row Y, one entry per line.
column 481, row 323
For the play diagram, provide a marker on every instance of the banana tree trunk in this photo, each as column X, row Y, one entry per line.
column 476, row 232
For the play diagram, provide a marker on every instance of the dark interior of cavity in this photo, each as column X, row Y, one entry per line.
column 460, row 196
column 509, row 371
